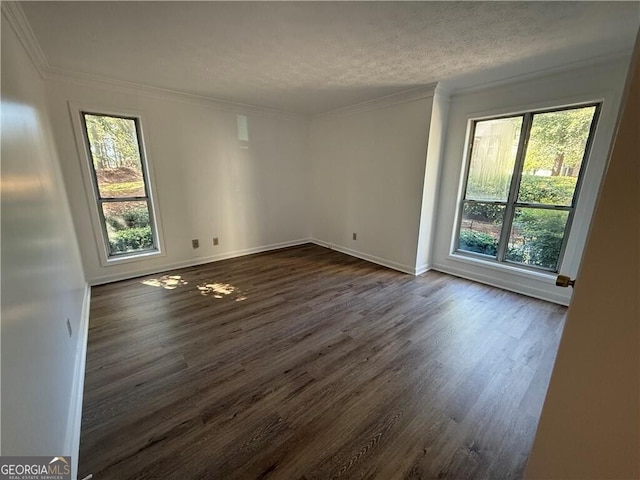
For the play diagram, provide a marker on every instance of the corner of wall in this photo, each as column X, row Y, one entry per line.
column 74, row 421
column 14, row 14
column 430, row 193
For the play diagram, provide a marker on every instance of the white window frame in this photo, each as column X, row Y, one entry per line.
column 91, row 187
column 511, row 203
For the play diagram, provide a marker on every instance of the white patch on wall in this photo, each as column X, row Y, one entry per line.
column 243, row 130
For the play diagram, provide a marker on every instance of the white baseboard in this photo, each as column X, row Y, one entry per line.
column 196, row 261
column 524, row 287
column 423, row 269
column 74, row 421
column 321, row 243
column 517, row 287
column 365, row 256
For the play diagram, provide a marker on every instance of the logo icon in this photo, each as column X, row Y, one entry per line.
column 35, row 468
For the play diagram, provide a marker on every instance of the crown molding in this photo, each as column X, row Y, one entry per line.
column 594, row 62
column 410, row 95
column 14, row 14
column 16, row 18
column 121, row 86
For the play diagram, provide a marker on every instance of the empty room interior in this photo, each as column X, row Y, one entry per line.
column 321, row 240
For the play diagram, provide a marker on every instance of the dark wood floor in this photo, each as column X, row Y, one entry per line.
column 304, row 363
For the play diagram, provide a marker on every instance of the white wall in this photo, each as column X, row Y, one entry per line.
column 431, row 187
column 376, row 169
column 42, row 279
column 251, row 195
column 589, row 428
column 600, row 82
column 367, row 176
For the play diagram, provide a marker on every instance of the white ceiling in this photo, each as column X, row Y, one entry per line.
column 311, row 57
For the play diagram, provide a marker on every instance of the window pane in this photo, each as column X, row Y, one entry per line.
column 115, row 155
column 128, row 226
column 480, row 228
column 554, row 156
column 536, row 236
column 495, row 145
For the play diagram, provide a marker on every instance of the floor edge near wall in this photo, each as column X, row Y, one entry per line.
column 197, row 261
column 515, row 288
column 559, row 298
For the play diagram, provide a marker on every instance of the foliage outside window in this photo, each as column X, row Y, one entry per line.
column 522, row 178
column 120, row 177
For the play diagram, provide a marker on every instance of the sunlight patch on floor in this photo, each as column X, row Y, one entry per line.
column 221, row 290
column 168, row 282
column 214, row 289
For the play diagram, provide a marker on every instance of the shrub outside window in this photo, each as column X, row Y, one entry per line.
column 121, row 186
column 522, row 180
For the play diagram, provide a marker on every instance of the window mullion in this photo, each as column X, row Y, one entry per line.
column 123, row 199
column 514, row 187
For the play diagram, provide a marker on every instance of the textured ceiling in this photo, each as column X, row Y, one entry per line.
column 311, row 57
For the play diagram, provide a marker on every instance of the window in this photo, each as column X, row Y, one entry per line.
column 523, row 175
column 121, row 186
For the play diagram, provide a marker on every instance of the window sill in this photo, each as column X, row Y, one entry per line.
column 544, row 276
column 131, row 257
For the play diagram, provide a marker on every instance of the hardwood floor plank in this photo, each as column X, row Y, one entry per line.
column 304, row 363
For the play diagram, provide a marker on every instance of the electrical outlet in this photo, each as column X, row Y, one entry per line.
column 195, row 243
column 69, row 328
column 355, row 236
column 215, row 240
